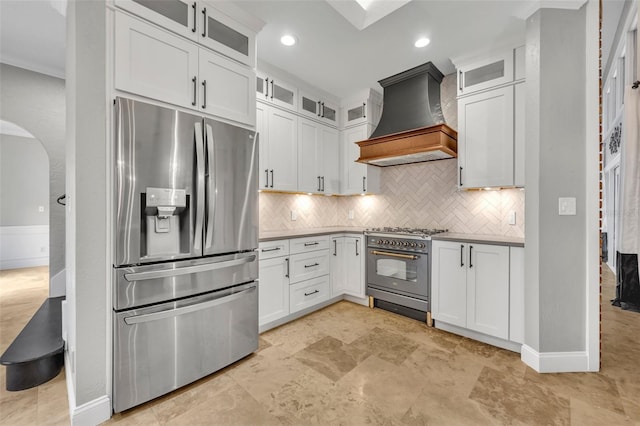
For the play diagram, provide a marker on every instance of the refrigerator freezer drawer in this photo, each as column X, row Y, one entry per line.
column 163, row 347
column 144, row 285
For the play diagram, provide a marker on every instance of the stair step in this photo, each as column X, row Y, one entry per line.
column 37, row 354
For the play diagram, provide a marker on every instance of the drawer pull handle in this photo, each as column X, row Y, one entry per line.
column 313, row 292
column 271, row 249
column 315, row 243
column 312, row 265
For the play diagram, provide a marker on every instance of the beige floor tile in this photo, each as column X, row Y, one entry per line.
column 593, row 388
column 510, row 399
column 293, row 337
column 389, row 387
column 328, row 356
column 435, row 406
column 585, row 414
column 392, row 346
column 449, row 372
column 231, row 406
column 52, row 402
column 266, row 372
column 344, row 323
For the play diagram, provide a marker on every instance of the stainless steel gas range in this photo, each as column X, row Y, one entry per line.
column 399, row 270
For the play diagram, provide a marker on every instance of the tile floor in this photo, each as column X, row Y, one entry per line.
column 350, row 365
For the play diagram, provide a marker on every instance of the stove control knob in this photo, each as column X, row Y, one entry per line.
column 405, row 243
column 413, row 244
column 385, row 242
column 422, row 245
column 379, row 242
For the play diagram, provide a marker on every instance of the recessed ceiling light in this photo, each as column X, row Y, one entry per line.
column 422, row 42
column 288, row 40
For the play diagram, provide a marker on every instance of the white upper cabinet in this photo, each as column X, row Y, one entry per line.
column 488, row 72
column 318, row 158
column 357, row 178
column 277, row 132
column 486, row 139
column 227, row 88
column 219, row 31
column 221, row 26
column 155, row 63
column 314, row 107
column 178, row 16
column 276, row 91
column 365, row 108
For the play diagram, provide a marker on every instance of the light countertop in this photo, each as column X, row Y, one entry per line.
column 308, row 232
column 480, row 239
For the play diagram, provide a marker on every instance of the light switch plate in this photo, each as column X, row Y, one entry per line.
column 294, row 215
column 351, row 215
column 512, row 218
column 567, row 206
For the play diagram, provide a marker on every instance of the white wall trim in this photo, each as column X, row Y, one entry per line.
column 91, row 413
column 555, row 362
column 58, row 284
column 592, row 196
column 531, row 8
column 21, row 246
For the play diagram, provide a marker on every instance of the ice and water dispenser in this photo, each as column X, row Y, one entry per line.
column 165, row 224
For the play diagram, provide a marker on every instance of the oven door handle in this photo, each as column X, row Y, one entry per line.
column 401, row 256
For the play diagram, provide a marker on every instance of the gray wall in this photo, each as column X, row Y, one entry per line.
column 36, row 102
column 88, row 286
column 24, row 182
column 555, row 286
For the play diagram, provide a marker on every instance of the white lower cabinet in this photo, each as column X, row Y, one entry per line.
column 347, row 266
column 308, row 293
column 470, row 286
column 273, row 287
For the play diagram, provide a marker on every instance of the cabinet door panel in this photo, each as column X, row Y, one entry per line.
column 356, row 173
column 308, row 293
column 175, row 15
column 338, row 274
column 330, row 149
column 488, row 290
column 228, row 88
column 519, row 135
column 262, row 122
column 273, row 294
column 491, row 72
column 283, row 150
column 224, row 34
column 308, row 156
column 485, row 139
column 354, row 267
column 449, row 283
column 154, row 63
column 516, row 294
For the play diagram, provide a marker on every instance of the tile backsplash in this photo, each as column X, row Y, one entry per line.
column 414, row 195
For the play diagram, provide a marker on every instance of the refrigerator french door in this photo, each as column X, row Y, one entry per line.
column 185, row 265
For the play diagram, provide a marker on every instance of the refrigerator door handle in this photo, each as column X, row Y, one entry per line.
column 164, row 273
column 187, row 309
column 197, row 245
column 211, row 182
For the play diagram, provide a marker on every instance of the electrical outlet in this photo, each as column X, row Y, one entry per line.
column 294, row 215
column 567, row 206
column 351, row 215
column 512, row 218
column 41, row 209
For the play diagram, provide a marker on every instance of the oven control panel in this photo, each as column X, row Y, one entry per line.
column 399, row 244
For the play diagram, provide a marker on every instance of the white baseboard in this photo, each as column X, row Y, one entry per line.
column 58, row 284
column 24, row 246
column 484, row 338
column 91, row 413
column 358, row 300
column 555, row 362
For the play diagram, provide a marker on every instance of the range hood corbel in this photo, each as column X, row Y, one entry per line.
column 412, row 128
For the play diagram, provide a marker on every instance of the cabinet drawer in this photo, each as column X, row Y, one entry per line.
column 304, row 245
column 309, row 265
column 308, row 293
column 270, row 249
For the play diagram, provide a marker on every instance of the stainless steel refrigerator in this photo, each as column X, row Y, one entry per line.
column 185, row 300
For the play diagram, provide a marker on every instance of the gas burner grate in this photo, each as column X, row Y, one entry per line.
column 411, row 231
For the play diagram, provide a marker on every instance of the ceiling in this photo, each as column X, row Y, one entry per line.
column 331, row 52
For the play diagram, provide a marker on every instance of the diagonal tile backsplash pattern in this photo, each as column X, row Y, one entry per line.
column 413, row 195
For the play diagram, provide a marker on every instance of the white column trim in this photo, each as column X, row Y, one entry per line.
column 92, row 413
column 555, row 362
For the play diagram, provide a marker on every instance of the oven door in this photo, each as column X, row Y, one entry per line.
column 398, row 272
